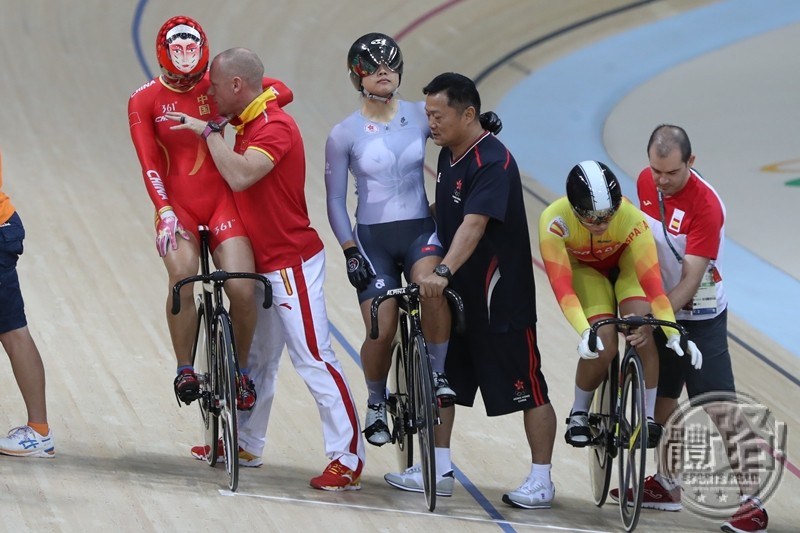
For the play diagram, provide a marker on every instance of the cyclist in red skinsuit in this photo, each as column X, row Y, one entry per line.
column 187, row 190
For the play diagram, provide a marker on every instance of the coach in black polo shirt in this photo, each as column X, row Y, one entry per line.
column 482, row 225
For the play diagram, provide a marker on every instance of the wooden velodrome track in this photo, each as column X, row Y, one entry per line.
column 94, row 286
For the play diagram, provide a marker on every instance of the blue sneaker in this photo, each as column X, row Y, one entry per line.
column 23, row 441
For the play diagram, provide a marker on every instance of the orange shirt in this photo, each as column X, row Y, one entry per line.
column 6, row 207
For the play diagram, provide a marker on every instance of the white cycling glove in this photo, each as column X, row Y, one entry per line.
column 674, row 344
column 583, row 347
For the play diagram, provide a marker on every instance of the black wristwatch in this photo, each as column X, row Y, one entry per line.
column 211, row 127
column 444, row 271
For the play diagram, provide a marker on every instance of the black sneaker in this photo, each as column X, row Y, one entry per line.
column 444, row 393
column 187, row 387
column 654, row 431
column 578, row 433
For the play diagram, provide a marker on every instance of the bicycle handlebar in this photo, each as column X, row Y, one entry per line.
column 218, row 278
column 633, row 322
column 412, row 290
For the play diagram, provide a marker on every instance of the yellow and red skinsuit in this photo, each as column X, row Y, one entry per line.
column 568, row 248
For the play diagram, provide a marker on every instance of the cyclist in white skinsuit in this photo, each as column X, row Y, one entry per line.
column 383, row 145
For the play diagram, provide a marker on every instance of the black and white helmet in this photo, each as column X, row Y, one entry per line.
column 593, row 191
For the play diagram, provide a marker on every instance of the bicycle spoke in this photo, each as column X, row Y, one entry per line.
column 601, row 453
column 226, row 368
column 399, row 402
column 633, row 442
column 203, row 362
column 426, row 411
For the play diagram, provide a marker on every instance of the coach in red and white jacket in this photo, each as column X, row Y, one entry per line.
column 687, row 218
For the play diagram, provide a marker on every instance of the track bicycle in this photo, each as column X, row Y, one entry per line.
column 618, row 422
column 214, row 358
column 412, row 402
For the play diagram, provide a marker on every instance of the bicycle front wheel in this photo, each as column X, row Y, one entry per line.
column 426, row 411
column 602, row 452
column 226, row 377
column 632, row 441
column 399, row 405
column 203, row 360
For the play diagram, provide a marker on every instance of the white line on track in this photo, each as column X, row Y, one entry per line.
column 541, row 527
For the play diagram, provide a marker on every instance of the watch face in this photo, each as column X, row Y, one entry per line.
column 442, row 270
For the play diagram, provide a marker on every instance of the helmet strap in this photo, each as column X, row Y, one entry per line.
column 384, row 99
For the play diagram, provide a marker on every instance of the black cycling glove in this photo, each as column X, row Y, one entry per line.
column 359, row 271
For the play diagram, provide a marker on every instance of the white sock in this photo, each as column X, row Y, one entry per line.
column 650, row 401
column 540, row 473
column 583, row 399
column 443, row 463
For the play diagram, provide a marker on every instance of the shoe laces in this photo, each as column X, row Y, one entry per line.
column 531, row 486
column 414, row 469
column 378, row 408
column 578, row 418
column 21, row 431
column 748, row 505
column 185, row 376
column 336, row 468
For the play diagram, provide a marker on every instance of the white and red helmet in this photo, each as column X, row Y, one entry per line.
column 182, row 52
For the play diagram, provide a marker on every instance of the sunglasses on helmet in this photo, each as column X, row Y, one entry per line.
column 595, row 218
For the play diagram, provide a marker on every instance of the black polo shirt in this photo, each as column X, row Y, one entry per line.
column 497, row 281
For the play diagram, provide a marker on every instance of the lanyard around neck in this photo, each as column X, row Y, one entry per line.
column 664, row 227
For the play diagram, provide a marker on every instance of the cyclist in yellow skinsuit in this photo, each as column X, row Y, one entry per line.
column 601, row 258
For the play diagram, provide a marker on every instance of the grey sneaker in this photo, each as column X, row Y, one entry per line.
column 442, row 386
column 531, row 495
column 411, row 480
column 578, row 433
column 377, row 428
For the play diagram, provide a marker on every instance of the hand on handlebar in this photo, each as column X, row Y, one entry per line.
column 583, row 347
column 432, row 286
column 168, row 227
column 674, row 344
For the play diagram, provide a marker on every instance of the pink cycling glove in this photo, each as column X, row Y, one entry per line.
column 168, row 226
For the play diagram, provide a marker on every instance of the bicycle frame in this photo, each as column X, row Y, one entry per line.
column 615, row 433
column 413, row 405
column 219, row 376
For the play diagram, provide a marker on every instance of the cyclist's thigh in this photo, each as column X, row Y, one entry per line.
column 234, row 254
column 425, row 252
column 594, row 291
column 381, row 245
column 12, row 311
column 388, row 314
column 188, row 219
column 224, row 222
column 711, row 337
column 183, row 262
column 510, row 372
column 460, row 368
